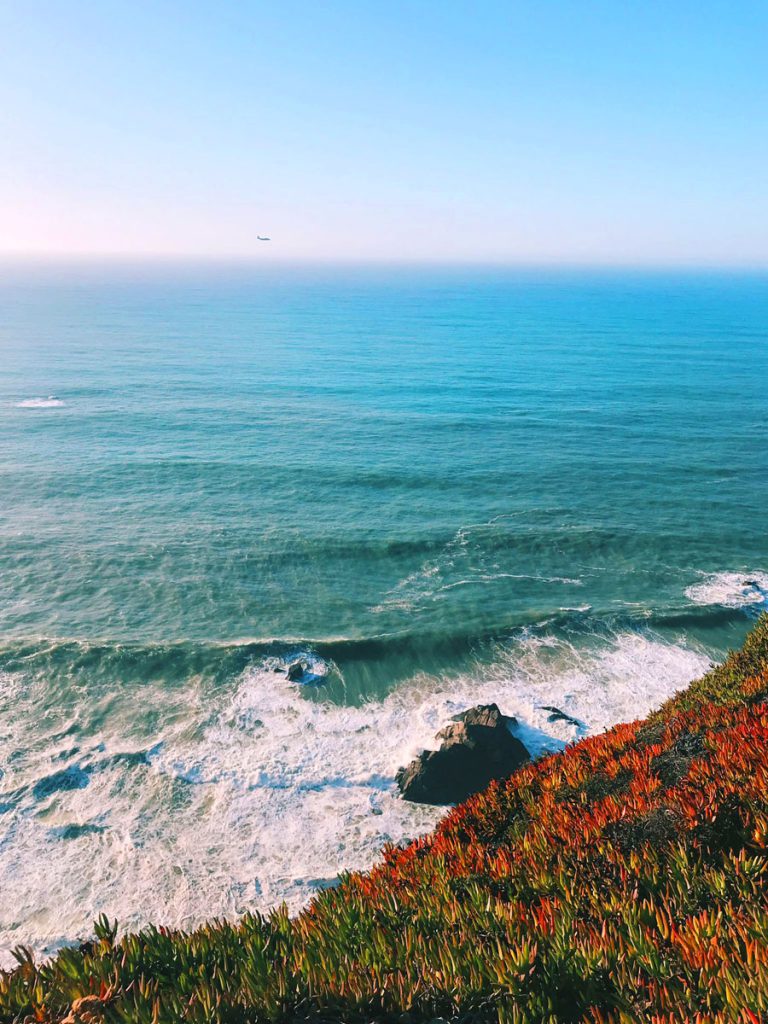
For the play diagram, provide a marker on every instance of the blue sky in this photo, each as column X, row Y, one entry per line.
column 575, row 132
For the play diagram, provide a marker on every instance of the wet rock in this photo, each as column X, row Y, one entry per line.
column 476, row 749
column 296, row 671
column 306, row 673
column 556, row 715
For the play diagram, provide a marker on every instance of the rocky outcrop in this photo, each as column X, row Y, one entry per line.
column 296, row 671
column 305, row 673
column 475, row 749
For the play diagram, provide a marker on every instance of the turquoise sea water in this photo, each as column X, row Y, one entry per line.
column 438, row 486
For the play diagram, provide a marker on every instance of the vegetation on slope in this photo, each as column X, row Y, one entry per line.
column 624, row 880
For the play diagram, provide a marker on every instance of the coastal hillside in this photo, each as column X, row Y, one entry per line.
column 623, row 880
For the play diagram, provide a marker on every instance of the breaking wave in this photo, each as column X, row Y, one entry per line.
column 747, row 590
column 240, row 790
column 51, row 402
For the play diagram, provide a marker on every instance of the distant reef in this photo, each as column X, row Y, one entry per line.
column 622, row 880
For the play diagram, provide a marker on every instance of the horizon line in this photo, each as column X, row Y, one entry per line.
column 265, row 261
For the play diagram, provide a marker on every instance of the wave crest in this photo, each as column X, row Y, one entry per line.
column 748, row 590
column 51, row 402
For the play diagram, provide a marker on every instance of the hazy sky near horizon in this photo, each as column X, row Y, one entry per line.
column 493, row 131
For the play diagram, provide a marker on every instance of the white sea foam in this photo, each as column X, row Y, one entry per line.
column 51, row 402
column 254, row 794
column 731, row 590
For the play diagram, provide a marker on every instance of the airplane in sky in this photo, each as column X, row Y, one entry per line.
column 263, row 238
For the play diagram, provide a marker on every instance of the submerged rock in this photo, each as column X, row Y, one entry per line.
column 474, row 751
column 556, row 715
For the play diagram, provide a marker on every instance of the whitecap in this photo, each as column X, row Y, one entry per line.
column 747, row 590
column 51, row 402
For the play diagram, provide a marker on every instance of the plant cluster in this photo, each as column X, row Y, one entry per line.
column 623, row 880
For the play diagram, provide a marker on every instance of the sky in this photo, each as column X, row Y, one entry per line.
column 517, row 131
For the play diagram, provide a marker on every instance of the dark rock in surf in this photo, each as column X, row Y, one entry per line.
column 297, row 671
column 556, row 715
column 476, row 749
column 307, row 674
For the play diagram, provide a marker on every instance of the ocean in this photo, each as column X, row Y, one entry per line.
column 440, row 487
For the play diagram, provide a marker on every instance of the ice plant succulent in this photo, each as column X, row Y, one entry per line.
column 623, row 880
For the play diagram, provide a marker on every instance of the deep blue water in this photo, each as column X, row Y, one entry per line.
column 432, row 482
